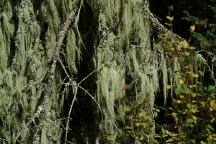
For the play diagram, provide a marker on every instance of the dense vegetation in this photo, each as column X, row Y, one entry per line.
column 193, row 107
column 107, row 71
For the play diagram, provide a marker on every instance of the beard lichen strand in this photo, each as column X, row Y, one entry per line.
column 21, row 81
column 125, row 47
column 134, row 29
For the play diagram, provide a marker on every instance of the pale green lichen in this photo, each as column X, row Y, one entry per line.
column 22, row 74
column 122, row 51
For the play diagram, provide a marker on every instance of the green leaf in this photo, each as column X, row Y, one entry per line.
column 211, row 88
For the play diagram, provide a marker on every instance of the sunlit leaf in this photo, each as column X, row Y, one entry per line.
column 168, row 24
column 174, row 114
column 185, row 44
column 126, row 108
column 128, row 128
column 170, row 18
column 168, row 86
column 192, row 28
column 212, row 104
column 202, row 142
column 169, row 140
column 187, row 53
column 192, row 48
column 193, row 94
column 173, row 134
column 141, row 138
column 195, row 119
column 181, row 81
column 178, row 101
column 195, row 75
column 192, row 86
column 142, row 114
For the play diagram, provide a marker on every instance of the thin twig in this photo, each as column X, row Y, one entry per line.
column 90, row 74
column 61, row 63
column 71, row 107
column 74, row 98
column 91, row 96
column 69, row 114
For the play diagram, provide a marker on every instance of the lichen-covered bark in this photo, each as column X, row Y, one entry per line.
column 28, row 37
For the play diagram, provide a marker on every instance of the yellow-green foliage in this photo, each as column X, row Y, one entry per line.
column 194, row 106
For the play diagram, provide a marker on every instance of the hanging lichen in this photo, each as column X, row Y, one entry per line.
column 24, row 63
column 121, row 63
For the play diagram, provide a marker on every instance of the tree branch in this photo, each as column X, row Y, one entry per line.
column 50, row 74
column 161, row 28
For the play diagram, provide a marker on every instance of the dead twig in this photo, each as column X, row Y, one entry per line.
column 55, row 58
column 61, row 63
column 69, row 113
column 51, row 72
column 74, row 98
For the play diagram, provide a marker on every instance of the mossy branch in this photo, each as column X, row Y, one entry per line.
column 51, row 71
column 162, row 29
column 50, row 74
column 57, row 49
